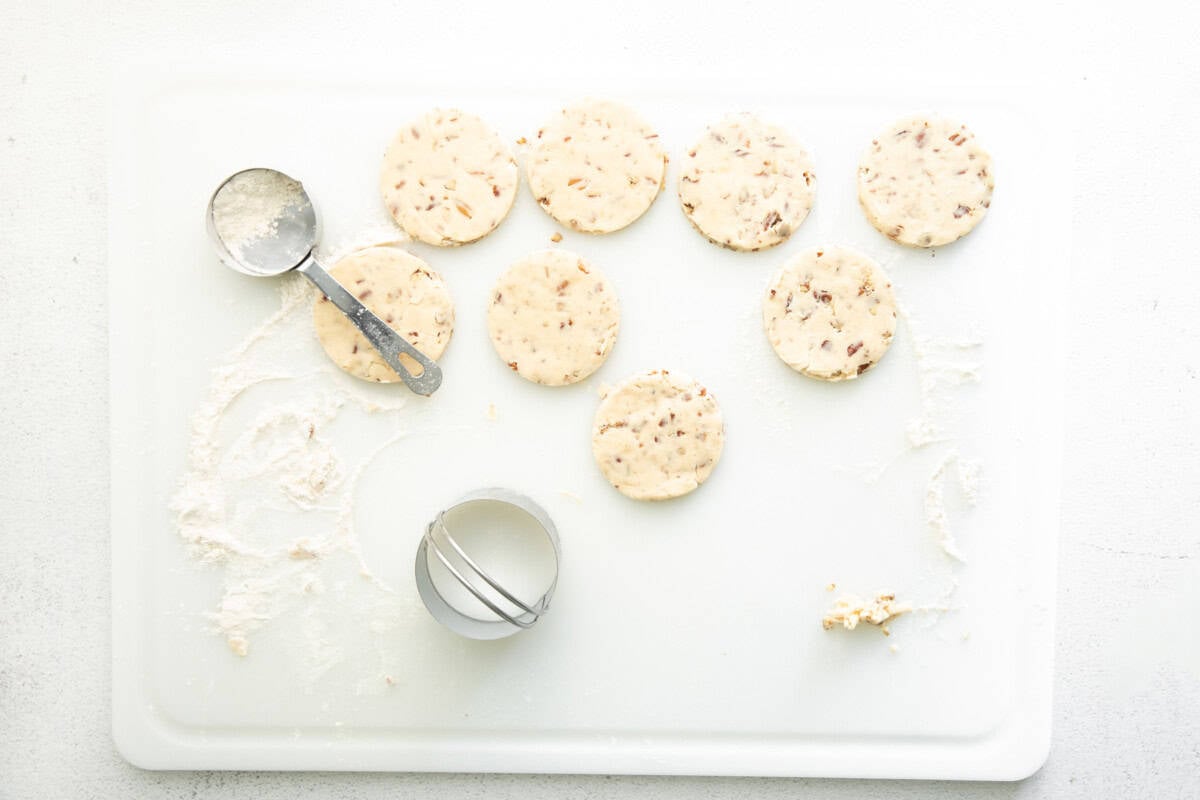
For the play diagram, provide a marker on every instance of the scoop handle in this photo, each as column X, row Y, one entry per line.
column 389, row 343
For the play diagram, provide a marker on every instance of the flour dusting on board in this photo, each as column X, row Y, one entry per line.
column 943, row 367
column 268, row 499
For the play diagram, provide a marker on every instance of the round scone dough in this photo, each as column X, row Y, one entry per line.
column 596, row 167
column 448, row 179
column 746, row 184
column 657, row 435
column 830, row 313
column 925, row 181
column 553, row 318
column 401, row 290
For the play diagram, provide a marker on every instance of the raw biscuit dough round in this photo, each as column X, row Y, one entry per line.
column 448, row 179
column 553, row 318
column 830, row 313
column 925, row 181
column 746, row 184
column 401, row 290
column 596, row 167
column 657, row 435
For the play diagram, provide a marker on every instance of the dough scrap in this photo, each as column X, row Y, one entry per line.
column 596, row 167
column 925, row 181
column 448, row 179
column 401, row 290
column 657, row 435
column 553, row 318
column 830, row 313
column 746, row 184
column 849, row 610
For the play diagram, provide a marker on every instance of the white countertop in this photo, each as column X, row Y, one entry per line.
column 1127, row 704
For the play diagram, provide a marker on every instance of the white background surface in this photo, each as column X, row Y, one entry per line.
column 1128, row 674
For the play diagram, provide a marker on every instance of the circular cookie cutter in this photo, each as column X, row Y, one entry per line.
column 487, row 566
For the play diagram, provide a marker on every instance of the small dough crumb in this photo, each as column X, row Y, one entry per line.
column 849, row 610
column 238, row 645
column 491, row 411
column 304, row 549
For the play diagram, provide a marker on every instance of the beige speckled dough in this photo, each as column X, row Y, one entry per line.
column 553, row 318
column 746, row 184
column 448, row 179
column 925, row 181
column 830, row 313
column 596, row 167
column 401, row 290
column 657, row 435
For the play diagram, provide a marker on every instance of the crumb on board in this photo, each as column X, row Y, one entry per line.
column 239, row 645
column 522, row 140
column 556, row 237
column 491, row 411
column 895, row 648
column 571, row 496
column 303, row 549
column 830, row 587
column 389, row 680
column 849, row 610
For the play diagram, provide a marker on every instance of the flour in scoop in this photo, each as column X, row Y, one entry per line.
column 250, row 205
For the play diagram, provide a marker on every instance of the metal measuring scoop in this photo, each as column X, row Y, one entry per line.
column 286, row 243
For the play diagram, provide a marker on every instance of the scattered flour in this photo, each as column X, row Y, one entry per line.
column 942, row 365
column 268, row 500
column 968, row 475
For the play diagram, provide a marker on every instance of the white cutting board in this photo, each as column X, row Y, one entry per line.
column 685, row 636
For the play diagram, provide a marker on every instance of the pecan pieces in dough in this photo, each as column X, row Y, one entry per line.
column 401, row 290
column 830, row 313
column 553, row 318
column 925, row 182
column 746, row 185
column 596, row 167
column 448, row 179
column 657, row 435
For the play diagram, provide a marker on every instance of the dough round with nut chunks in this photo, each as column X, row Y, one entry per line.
column 401, row 290
column 657, row 435
column 925, row 181
column 553, row 318
column 830, row 313
column 448, row 179
column 746, row 184
column 596, row 166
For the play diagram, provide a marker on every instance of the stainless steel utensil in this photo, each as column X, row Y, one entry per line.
column 473, row 548
column 286, row 243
